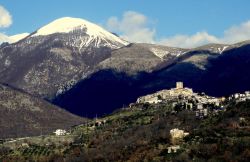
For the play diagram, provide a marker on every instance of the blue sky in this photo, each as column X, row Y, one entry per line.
column 171, row 22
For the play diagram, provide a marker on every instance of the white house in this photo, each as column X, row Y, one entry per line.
column 174, row 149
column 60, row 132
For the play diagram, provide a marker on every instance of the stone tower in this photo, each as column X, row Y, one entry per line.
column 179, row 85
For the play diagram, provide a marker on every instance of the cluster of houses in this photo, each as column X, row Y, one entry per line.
column 201, row 112
column 185, row 98
column 163, row 95
column 240, row 96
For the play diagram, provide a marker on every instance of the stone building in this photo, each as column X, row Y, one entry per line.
column 179, row 85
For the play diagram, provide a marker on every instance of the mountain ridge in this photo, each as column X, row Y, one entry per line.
column 50, row 65
column 197, row 69
column 44, row 65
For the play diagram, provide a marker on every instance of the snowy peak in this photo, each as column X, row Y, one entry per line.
column 66, row 25
column 13, row 38
column 18, row 37
column 95, row 33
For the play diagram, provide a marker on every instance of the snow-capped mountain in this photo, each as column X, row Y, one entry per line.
column 85, row 33
column 56, row 56
column 5, row 39
column 73, row 61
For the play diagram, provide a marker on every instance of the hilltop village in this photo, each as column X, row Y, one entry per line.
column 181, row 98
column 184, row 98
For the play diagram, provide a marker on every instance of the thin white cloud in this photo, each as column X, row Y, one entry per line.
column 5, row 18
column 5, row 21
column 187, row 41
column 134, row 27
column 237, row 33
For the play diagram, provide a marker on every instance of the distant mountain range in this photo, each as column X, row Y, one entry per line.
column 87, row 70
